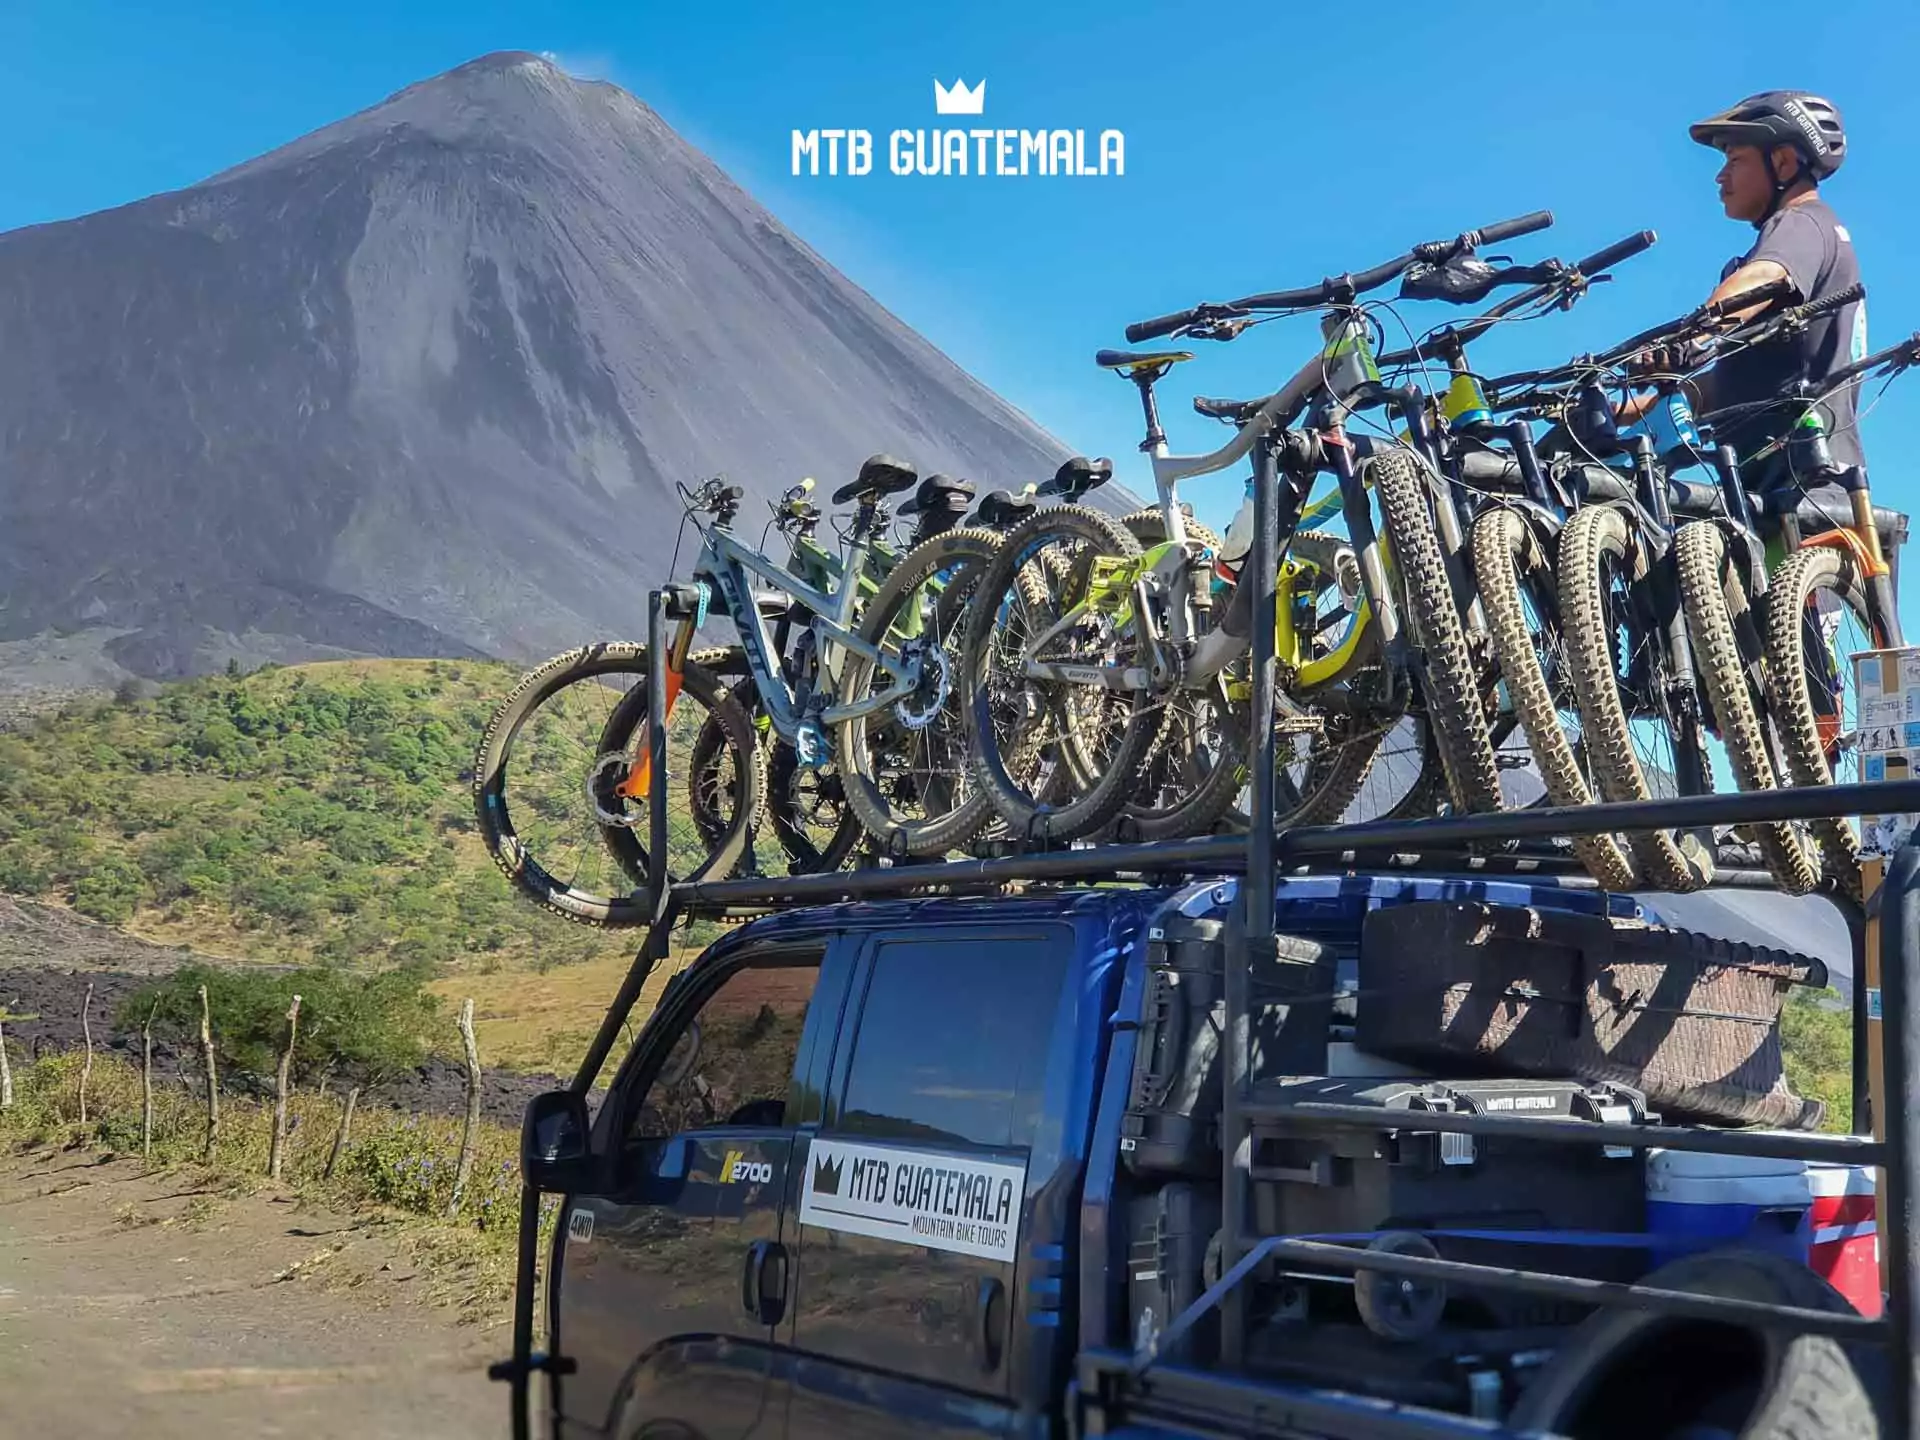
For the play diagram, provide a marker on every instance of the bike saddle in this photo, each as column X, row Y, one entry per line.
column 880, row 475
column 1002, row 509
column 1238, row 411
column 938, row 494
column 1132, row 360
column 1075, row 478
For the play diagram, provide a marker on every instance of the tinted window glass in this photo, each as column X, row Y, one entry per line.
column 733, row 1062
column 953, row 1037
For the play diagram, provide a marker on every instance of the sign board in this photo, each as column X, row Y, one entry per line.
column 1888, row 684
column 946, row 1201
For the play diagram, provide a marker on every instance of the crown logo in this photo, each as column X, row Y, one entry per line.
column 826, row 1176
column 959, row 100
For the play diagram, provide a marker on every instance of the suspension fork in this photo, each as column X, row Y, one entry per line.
column 1452, row 510
column 1519, row 435
column 1355, row 504
column 1881, row 597
column 640, row 774
column 1674, row 675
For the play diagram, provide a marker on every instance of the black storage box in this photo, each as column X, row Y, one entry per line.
column 1312, row 1180
column 1172, row 1119
column 1690, row 1020
column 1169, row 1230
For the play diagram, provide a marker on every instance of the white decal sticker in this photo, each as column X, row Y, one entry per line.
column 934, row 1198
column 579, row 1226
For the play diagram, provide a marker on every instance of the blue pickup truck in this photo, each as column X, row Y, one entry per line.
column 951, row 1167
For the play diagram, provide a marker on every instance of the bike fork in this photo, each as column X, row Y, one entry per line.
column 1366, row 547
column 1450, row 511
column 640, row 775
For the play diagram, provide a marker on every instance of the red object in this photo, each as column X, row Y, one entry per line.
column 1845, row 1238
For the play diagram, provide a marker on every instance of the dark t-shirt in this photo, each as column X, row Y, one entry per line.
column 1813, row 247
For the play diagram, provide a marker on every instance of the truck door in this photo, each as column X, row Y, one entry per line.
column 912, row 1194
column 673, row 1287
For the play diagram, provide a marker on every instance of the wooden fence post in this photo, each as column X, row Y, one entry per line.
column 146, row 1084
column 86, row 1037
column 469, row 1132
column 213, row 1078
column 276, row 1152
column 340, row 1136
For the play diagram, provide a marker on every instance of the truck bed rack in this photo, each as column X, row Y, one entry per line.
column 1506, row 844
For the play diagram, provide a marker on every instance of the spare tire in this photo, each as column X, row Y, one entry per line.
column 1649, row 1376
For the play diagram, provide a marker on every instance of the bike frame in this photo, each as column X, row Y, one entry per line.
column 728, row 566
column 1346, row 338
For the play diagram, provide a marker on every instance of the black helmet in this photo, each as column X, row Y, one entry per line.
column 1807, row 122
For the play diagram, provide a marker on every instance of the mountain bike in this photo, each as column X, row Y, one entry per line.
column 1834, row 595
column 1660, row 645
column 813, row 820
column 1520, row 544
column 1125, row 641
column 575, row 728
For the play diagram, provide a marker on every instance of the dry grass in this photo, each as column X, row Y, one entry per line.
column 396, row 1166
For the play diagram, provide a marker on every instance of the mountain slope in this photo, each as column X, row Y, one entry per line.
column 423, row 382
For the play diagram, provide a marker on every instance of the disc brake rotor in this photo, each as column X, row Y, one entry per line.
column 934, row 678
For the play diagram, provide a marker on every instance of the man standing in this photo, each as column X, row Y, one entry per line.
column 1779, row 147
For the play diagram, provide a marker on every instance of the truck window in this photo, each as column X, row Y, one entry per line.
column 734, row 1060
column 953, row 1038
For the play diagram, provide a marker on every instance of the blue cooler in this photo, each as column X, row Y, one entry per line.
column 1704, row 1202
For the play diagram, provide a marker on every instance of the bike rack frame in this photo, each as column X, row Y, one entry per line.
column 1483, row 843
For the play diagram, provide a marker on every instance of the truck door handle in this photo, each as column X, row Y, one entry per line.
column 763, row 1286
column 990, row 1323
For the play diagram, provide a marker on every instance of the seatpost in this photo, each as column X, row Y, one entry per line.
column 1144, row 377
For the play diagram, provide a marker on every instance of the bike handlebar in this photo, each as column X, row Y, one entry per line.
column 1336, row 289
column 1613, row 254
column 1665, row 332
column 1588, row 269
column 1505, row 230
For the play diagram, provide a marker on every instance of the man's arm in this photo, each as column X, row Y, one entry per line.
column 1750, row 276
column 1792, row 251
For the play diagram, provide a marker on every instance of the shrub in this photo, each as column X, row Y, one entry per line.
column 367, row 1027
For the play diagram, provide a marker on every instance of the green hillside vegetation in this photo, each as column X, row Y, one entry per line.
column 298, row 815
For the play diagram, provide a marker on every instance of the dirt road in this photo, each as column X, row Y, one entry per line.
column 142, row 1306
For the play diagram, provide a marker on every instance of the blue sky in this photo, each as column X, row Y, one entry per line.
column 1266, row 146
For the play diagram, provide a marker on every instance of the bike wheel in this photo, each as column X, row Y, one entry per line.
column 807, row 807
column 906, row 773
column 545, row 775
column 714, row 744
column 1611, row 655
column 1817, row 615
column 1726, row 649
column 1149, row 528
column 1098, row 736
column 1194, row 774
column 1450, row 686
column 1516, row 584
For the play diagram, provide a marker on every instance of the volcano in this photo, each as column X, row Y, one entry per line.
column 423, row 383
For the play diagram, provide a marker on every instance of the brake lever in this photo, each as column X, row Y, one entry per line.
column 1224, row 329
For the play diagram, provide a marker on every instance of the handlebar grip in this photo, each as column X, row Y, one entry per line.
column 1164, row 325
column 1508, row 229
column 1839, row 300
column 1759, row 295
column 1620, row 250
